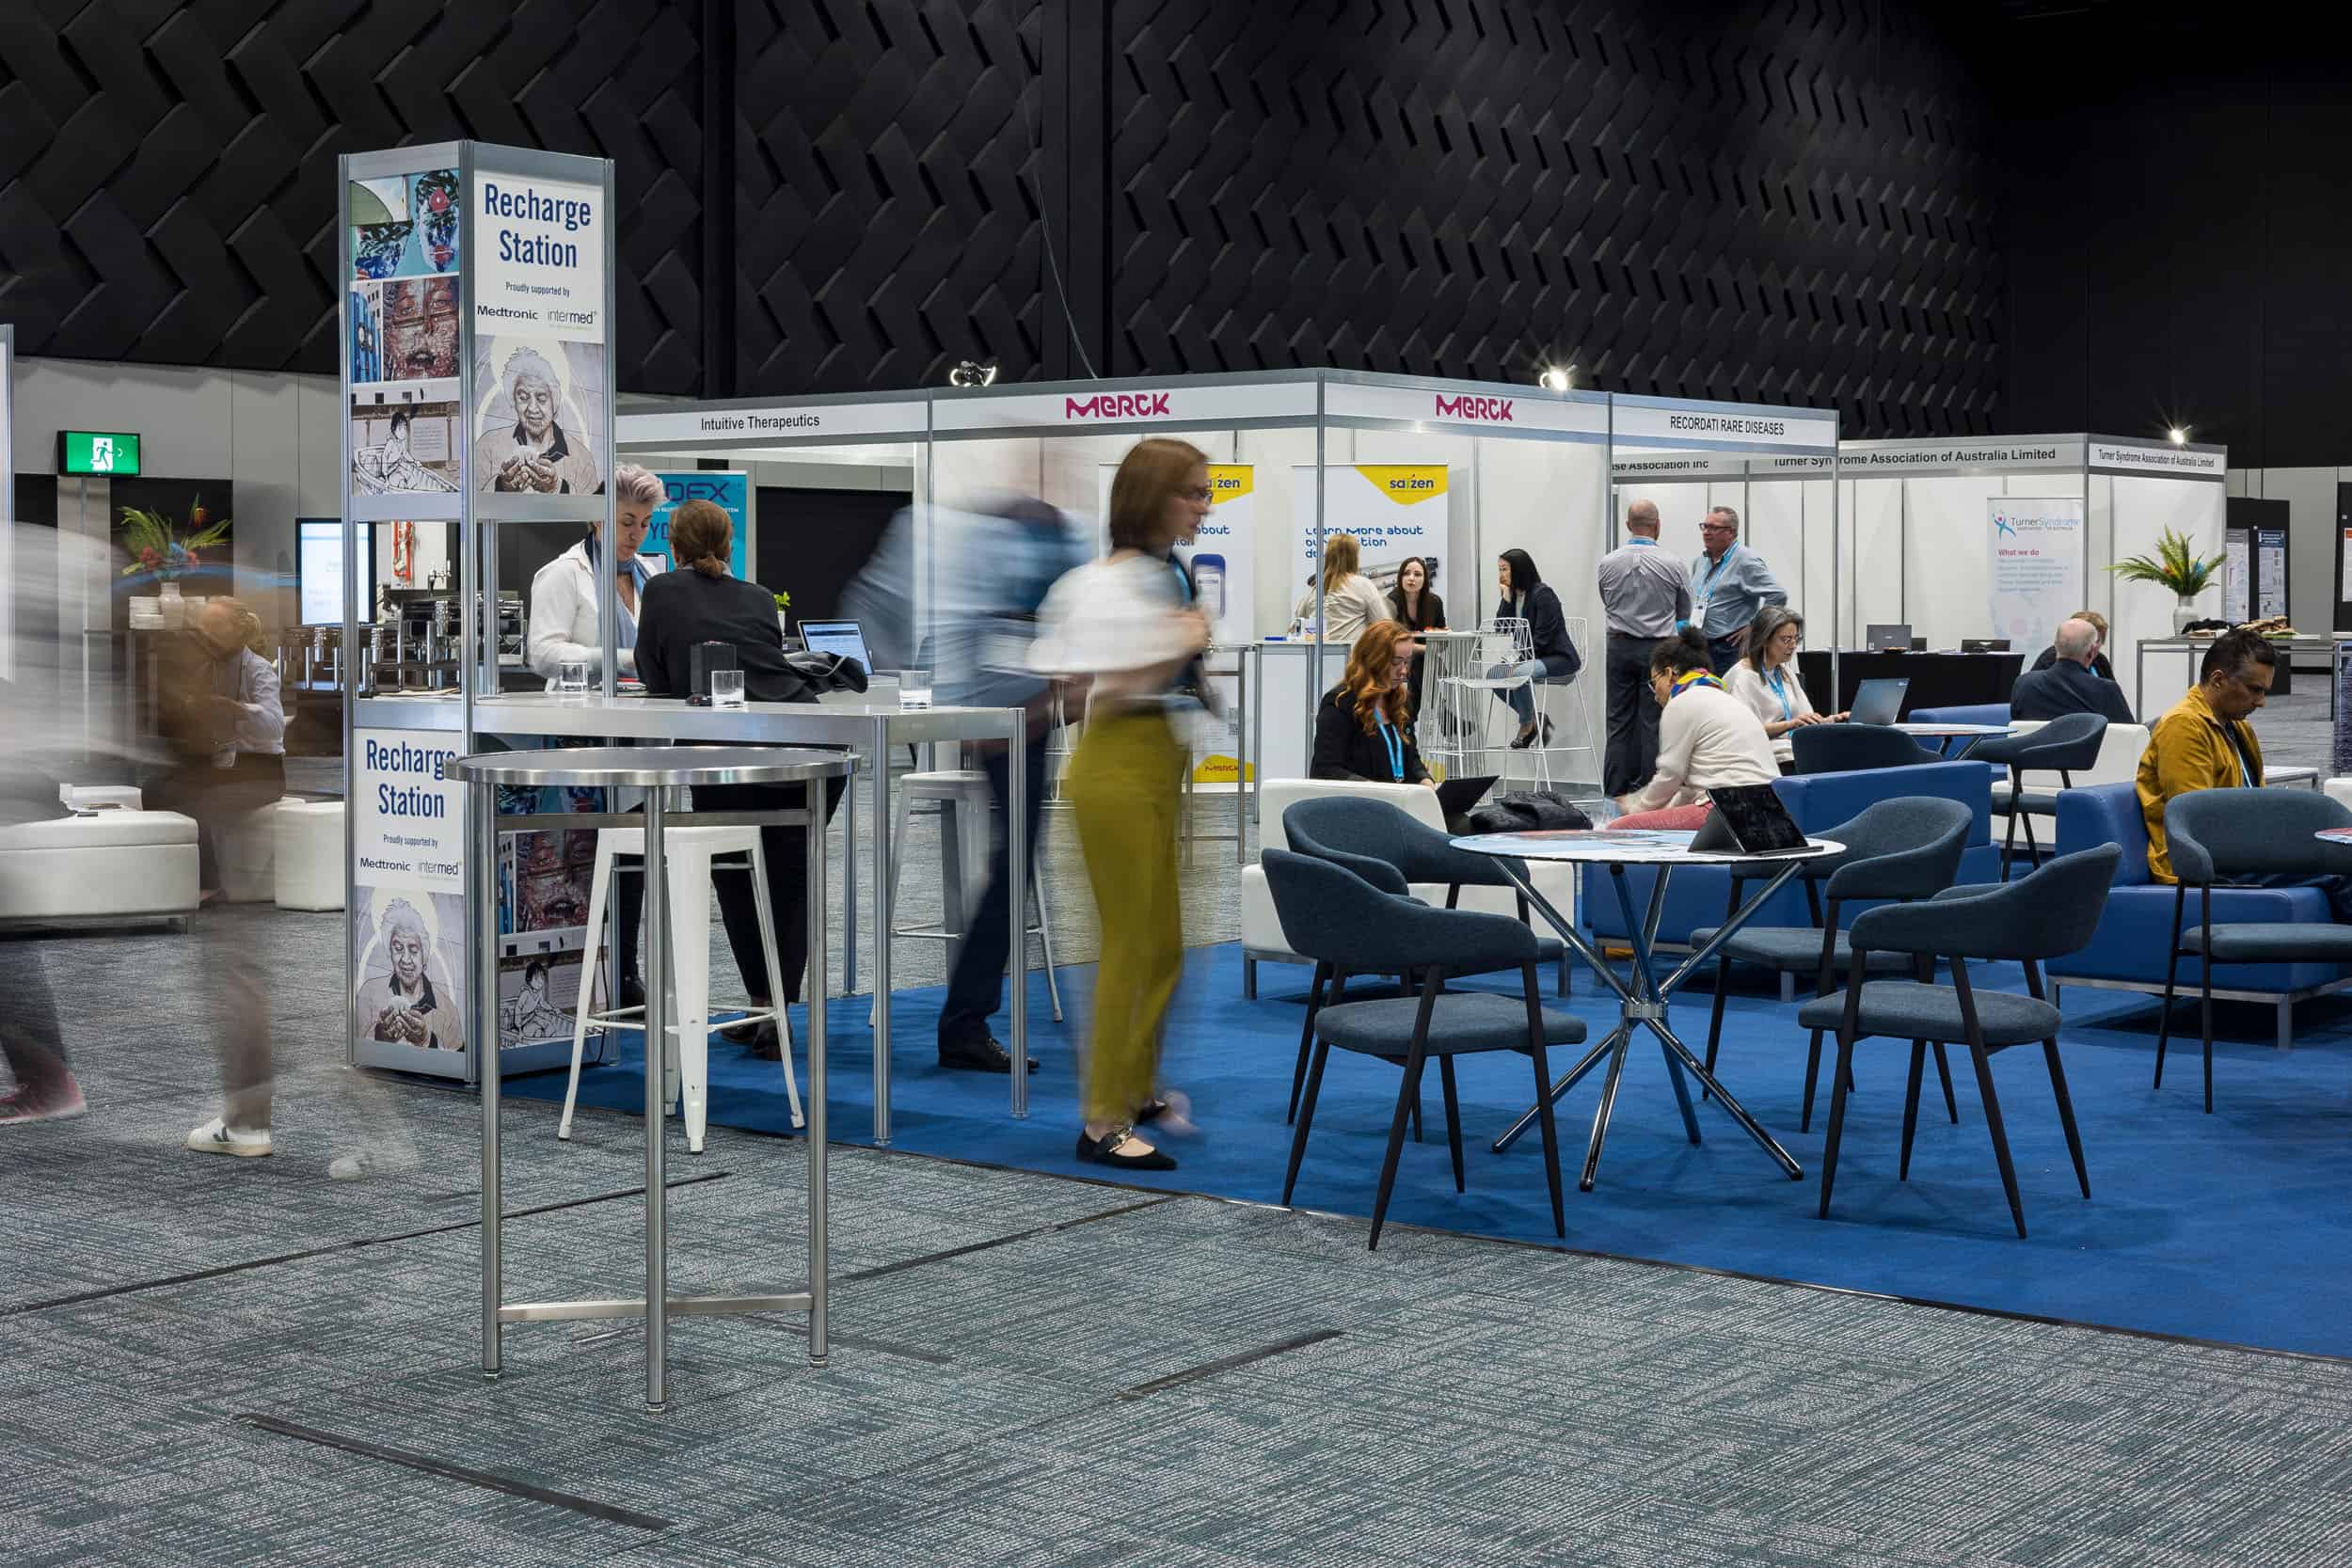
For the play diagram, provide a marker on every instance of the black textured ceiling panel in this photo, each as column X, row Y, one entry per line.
column 167, row 167
column 1788, row 203
column 886, row 191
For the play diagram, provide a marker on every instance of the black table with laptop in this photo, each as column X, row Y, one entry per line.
column 1937, row 680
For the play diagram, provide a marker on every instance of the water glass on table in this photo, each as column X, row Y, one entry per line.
column 726, row 688
column 571, row 679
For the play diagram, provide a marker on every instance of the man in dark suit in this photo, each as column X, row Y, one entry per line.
column 2068, row 686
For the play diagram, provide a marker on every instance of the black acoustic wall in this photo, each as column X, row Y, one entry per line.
column 2178, row 242
column 1788, row 201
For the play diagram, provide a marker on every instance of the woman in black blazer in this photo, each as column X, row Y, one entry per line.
column 702, row 602
column 1418, row 610
column 1362, row 730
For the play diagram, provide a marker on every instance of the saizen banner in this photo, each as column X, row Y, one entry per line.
column 1395, row 510
column 2036, row 569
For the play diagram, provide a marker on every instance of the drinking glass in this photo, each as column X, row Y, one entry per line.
column 726, row 688
column 571, row 680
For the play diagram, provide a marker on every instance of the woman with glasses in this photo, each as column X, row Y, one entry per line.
column 1765, row 677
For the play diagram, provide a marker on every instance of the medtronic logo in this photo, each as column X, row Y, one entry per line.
column 1116, row 406
column 1491, row 410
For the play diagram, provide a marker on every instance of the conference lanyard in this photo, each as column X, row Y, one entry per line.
column 1780, row 690
column 1395, row 744
column 2246, row 777
column 1704, row 600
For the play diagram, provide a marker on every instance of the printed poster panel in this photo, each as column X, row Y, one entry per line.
column 400, row 312
column 2036, row 576
column 409, row 907
column 730, row 488
column 1395, row 510
column 540, row 365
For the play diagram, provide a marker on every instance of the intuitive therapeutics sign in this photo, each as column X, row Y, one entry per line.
column 2035, row 579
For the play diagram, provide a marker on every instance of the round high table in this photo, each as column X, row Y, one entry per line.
column 661, row 771
column 1642, row 999
column 1966, row 734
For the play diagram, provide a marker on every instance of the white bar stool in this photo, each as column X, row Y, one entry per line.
column 688, row 854
column 965, row 806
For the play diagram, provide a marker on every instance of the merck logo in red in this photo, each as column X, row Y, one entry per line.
column 1491, row 410
column 1116, row 406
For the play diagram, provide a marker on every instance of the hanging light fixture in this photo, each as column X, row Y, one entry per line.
column 973, row 372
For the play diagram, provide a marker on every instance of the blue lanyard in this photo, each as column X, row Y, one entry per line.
column 1780, row 688
column 1706, row 584
column 1395, row 743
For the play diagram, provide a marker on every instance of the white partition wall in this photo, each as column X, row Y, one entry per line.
column 1917, row 521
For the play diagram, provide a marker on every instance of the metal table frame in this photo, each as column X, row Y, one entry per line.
column 2304, row 642
column 661, row 773
column 869, row 730
column 1645, row 999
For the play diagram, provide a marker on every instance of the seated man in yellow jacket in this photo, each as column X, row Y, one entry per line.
column 2205, row 742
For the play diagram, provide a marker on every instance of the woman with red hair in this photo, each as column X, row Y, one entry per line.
column 1363, row 730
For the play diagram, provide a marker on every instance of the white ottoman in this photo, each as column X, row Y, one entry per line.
column 109, row 865
column 309, row 872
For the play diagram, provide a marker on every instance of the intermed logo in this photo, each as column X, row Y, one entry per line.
column 1116, row 406
column 1486, row 410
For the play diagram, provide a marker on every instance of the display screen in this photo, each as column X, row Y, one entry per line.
column 844, row 637
column 319, row 568
column 98, row 451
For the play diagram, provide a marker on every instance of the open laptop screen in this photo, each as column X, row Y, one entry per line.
column 844, row 637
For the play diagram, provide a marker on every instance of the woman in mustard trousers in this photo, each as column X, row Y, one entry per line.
column 1120, row 630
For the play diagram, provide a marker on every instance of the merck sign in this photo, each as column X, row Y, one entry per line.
column 1486, row 410
column 1116, row 406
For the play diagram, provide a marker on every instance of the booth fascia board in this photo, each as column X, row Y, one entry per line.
column 752, row 427
column 1944, row 457
column 1796, row 442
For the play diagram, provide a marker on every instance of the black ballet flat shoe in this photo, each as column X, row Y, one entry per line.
column 1105, row 1152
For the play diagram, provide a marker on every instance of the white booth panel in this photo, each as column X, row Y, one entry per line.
column 1817, row 502
column 1872, row 516
column 2142, row 509
column 1946, row 573
column 1280, row 576
column 1772, row 523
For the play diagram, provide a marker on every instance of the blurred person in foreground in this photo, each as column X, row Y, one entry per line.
column 221, row 718
column 996, row 562
column 34, row 745
column 1118, row 631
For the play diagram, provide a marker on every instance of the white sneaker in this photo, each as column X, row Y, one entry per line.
column 372, row 1162
column 217, row 1137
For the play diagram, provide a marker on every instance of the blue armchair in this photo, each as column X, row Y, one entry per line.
column 1816, row 801
column 2140, row 928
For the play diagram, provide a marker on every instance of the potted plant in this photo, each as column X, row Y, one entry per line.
column 2175, row 566
column 160, row 550
column 783, row 612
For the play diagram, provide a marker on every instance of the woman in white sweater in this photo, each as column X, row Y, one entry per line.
column 1707, row 738
column 1765, row 677
column 1350, row 600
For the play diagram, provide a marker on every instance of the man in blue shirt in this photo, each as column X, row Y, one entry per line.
column 1729, row 583
column 2069, row 684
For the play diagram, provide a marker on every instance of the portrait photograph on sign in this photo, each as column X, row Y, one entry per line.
column 538, row 402
column 405, row 225
column 420, row 328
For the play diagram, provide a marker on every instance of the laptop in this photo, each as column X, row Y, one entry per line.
column 1748, row 819
column 1878, row 702
column 1887, row 637
column 1455, row 797
column 845, row 638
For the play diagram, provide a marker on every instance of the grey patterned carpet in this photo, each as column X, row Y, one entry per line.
column 241, row 1362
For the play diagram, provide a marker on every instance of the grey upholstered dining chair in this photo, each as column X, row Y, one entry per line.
column 2049, row 913
column 2063, row 746
column 1332, row 915
column 2214, row 836
column 1898, row 850
column 1852, row 748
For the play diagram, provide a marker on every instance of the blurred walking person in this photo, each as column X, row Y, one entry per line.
column 1119, row 632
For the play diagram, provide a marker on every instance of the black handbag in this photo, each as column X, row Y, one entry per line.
column 1526, row 810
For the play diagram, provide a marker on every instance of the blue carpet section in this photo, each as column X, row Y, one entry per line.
column 2229, row 1226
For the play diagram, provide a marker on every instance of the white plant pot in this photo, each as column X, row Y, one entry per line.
column 2184, row 611
column 172, row 607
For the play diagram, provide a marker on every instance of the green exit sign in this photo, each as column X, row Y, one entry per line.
column 98, row 451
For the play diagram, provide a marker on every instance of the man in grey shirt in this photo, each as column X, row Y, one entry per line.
column 1646, row 597
column 1729, row 583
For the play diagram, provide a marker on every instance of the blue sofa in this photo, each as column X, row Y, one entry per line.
column 1696, row 896
column 1965, row 713
column 2135, row 935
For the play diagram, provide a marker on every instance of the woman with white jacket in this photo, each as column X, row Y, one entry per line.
column 565, row 596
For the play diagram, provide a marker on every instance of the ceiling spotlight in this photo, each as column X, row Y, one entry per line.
column 973, row 372
column 2178, row 436
column 1556, row 378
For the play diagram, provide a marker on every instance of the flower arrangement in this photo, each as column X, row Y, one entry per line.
column 2175, row 566
column 158, row 547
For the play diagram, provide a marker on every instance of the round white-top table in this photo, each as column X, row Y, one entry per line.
column 1952, row 732
column 1644, row 998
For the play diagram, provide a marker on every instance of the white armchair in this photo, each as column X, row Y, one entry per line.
column 1261, row 931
